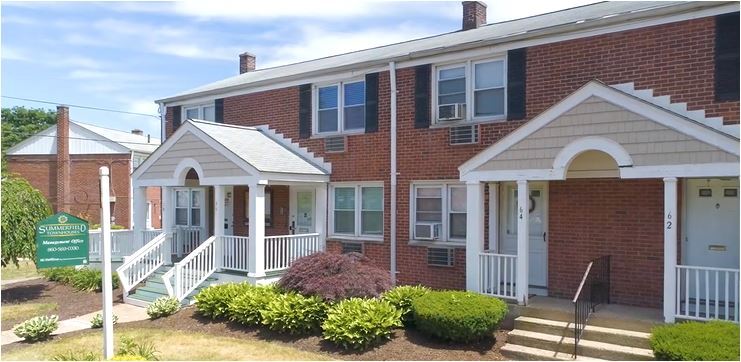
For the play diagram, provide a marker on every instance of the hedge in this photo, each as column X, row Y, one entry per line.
column 695, row 341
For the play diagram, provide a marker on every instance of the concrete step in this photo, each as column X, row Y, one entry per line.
column 517, row 352
column 594, row 333
column 149, row 293
column 624, row 322
column 587, row 348
column 159, row 289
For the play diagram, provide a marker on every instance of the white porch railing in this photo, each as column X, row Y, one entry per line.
column 281, row 251
column 190, row 272
column 497, row 275
column 186, row 240
column 705, row 293
column 123, row 242
column 235, row 251
column 143, row 262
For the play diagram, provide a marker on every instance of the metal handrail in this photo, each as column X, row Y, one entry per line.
column 588, row 297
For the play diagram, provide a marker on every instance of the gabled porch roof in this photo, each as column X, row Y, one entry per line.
column 227, row 154
column 646, row 136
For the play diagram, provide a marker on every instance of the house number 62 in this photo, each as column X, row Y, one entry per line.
column 521, row 212
column 669, row 221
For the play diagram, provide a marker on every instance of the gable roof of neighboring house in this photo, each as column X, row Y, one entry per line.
column 86, row 139
column 611, row 15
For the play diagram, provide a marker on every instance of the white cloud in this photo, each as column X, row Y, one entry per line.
column 12, row 53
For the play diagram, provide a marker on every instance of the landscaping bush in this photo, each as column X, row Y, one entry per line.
column 97, row 321
column 246, row 308
column 212, row 302
column 60, row 275
column 294, row 313
column 402, row 296
column 76, row 356
column 694, row 341
column 358, row 323
column 336, row 276
column 129, row 347
column 83, row 279
column 457, row 316
column 37, row 328
column 163, row 307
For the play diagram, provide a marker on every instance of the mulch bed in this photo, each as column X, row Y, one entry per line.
column 407, row 344
column 70, row 302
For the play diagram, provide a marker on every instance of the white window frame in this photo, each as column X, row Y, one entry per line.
column 470, row 84
column 445, row 239
column 201, row 209
column 340, row 109
column 357, row 235
column 201, row 111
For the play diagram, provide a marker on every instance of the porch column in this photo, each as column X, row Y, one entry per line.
column 257, row 231
column 139, row 195
column 494, row 217
column 474, row 233
column 670, row 248
column 219, row 214
column 523, row 244
column 168, row 220
column 321, row 215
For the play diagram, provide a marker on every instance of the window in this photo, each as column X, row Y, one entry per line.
column 188, row 203
column 357, row 211
column 268, row 207
column 138, row 159
column 439, row 212
column 340, row 108
column 473, row 90
column 206, row 112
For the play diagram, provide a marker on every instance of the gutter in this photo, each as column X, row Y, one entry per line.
column 392, row 80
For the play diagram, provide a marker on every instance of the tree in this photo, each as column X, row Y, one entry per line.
column 19, row 123
column 22, row 207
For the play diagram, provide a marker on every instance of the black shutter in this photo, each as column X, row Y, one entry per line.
column 727, row 57
column 422, row 96
column 219, row 110
column 176, row 117
column 371, row 102
column 516, row 74
column 304, row 111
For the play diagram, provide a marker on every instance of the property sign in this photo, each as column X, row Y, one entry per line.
column 62, row 240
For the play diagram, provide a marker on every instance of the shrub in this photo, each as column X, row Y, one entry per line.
column 76, row 356
column 83, row 279
column 37, row 328
column 402, row 296
column 60, row 275
column 212, row 302
column 163, row 307
column 358, row 323
column 457, row 316
column 694, row 341
column 97, row 321
column 294, row 313
column 336, row 276
column 145, row 350
column 246, row 308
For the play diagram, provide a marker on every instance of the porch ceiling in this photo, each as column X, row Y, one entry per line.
column 226, row 154
column 646, row 136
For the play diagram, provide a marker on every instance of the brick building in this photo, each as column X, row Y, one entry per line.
column 501, row 158
column 62, row 161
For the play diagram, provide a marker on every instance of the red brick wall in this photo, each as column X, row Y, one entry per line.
column 84, row 198
column 589, row 218
column 280, row 196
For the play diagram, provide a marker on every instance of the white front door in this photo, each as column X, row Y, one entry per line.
column 712, row 224
column 191, row 221
column 538, row 225
column 228, row 210
column 302, row 211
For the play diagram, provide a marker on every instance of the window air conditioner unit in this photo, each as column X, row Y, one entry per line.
column 451, row 112
column 427, row 230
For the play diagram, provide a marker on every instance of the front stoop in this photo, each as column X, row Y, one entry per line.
column 154, row 287
column 547, row 339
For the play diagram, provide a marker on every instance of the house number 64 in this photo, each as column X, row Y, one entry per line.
column 669, row 221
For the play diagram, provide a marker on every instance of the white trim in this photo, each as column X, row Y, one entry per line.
column 357, row 186
column 340, row 108
column 592, row 143
column 474, row 233
column 720, row 169
column 670, row 247
column 478, row 47
column 593, row 88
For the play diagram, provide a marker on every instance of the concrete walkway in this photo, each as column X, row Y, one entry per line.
column 125, row 313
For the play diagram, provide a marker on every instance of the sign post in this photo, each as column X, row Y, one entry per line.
column 62, row 240
column 105, row 235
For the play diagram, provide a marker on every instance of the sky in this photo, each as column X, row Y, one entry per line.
column 124, row 55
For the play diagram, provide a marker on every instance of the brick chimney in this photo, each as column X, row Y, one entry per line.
column 137, row 132
column 63, row 160
column 246, row 62
column 474, row 14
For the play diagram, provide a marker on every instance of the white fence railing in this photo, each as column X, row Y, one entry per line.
column 190, row 272
column 497, row 275
column 281, row 251
column 123, row 242
column 144, row 262
column 706, row 293
column 235, row 251
column 186, row 239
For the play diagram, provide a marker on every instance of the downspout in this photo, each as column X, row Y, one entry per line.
column 392, row 79
column 163, row 120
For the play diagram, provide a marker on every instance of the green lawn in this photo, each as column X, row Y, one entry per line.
column 171, row 345
column 25, row 269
